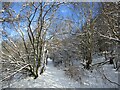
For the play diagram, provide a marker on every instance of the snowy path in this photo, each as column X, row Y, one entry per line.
column 55, row 78
column 51, row 78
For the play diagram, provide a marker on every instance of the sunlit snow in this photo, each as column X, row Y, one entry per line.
column 56, row 78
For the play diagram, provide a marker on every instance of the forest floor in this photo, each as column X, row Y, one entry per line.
column 56, row 78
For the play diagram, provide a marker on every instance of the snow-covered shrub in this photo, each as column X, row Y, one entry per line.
column 75, row 73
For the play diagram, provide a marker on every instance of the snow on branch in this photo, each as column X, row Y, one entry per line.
column 111, row 38
column 15, row 72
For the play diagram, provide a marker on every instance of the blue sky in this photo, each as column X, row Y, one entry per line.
column 63, row 12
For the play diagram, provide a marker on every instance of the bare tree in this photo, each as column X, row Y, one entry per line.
column 27, row 49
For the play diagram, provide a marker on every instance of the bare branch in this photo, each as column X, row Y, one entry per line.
column 15, row 72
column 110, row 38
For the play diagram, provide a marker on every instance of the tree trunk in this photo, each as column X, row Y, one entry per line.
column 105, row 54
column 88, row 61
column 32, row 72
column 111, row 60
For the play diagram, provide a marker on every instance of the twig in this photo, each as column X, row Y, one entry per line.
column 104, row 62
column 111, row 38
column 109, row 79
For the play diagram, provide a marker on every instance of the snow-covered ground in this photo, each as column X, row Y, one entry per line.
column 56, row 78
column 51, row 78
